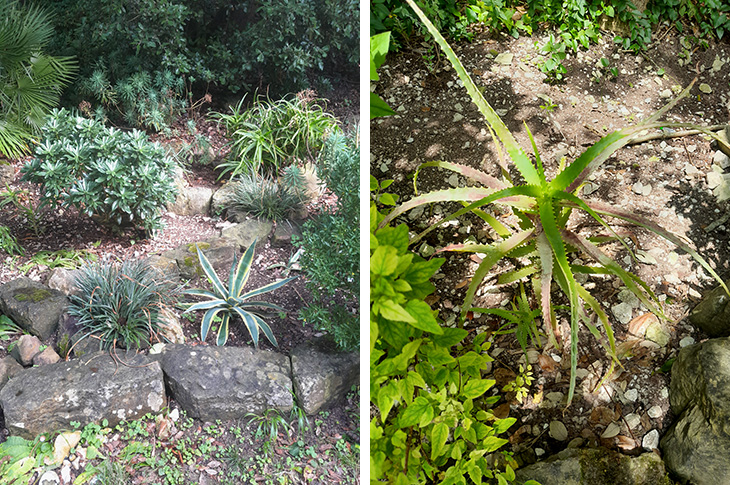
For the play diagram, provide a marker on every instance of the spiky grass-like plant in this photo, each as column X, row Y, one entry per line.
column 264, row 198
column 120, row 304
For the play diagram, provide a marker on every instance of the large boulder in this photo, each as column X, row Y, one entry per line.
column 192, row 201
column 221, row 199
column 596, row 466
column 226, row 382
column 321, row 378
column 48, row 398
column 219, row 252
column 712, row 314
column 699, row 394
column 243, row 234
column 33, row 306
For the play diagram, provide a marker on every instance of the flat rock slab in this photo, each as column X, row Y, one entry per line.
column 227, row 382
column 48, row 398
column 598, row 466
column 32, row 305
column 243, row 234
column 219, row 252
column 322, row 378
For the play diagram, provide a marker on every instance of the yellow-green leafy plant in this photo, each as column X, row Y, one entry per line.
column 542, row 232
column 230, row 302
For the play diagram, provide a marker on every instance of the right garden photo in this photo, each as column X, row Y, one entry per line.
column 549, row 245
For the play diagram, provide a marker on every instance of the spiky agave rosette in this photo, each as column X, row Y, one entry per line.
column 229, row 302
column 543, row 208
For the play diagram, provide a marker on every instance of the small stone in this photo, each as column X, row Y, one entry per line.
column 631, row 395
column 667, row 93
column 611, row 431
column 651, row 440
column 458, row 117
column 26, row 347
column 657, row 333
column 66, row 472
column 655, row 412
column 505, row 58
column 686, row 341
column 721, row 159
column 49, row 478
column 714, row 179
column 623, row 312
column 539, row 452
column 705, row 88
column 426, row 250
column 453, row 180
column 558, row 431
column 633, row 420
column 48, row 356
column 555, row 397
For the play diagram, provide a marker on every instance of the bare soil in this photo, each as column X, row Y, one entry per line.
column 436, row 120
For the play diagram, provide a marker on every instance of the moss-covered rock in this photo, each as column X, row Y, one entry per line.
column 33, row 306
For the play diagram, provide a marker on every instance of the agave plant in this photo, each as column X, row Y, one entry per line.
column 543, row 208
column 229, row 302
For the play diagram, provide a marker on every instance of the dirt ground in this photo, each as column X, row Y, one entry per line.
column 665, row 180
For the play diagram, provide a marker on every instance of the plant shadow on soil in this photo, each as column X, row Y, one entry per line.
column 435, row 120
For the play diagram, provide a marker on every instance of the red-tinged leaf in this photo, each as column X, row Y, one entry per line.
column 466, row 171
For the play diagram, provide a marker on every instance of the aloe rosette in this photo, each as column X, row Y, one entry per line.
column 542, row 208
column 230, row 302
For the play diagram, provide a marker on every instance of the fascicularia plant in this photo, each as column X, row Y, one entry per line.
column 120, row 304
column 543, row 208
column 231, row 301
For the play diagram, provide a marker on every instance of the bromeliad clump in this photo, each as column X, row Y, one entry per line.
column 229, row 302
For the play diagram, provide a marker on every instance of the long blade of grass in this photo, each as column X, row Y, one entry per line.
column 545, row 253
column 210, row 273
column 464, row 170
column 552, row 233
column 493, row 253
column 520, row 159
column 605, row 209
column 250, row 323
column 627, row 278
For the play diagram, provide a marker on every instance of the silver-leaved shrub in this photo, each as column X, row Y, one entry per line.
column 119, row 177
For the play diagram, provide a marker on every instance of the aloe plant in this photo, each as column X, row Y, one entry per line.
column 229, row 302
column 543, row 208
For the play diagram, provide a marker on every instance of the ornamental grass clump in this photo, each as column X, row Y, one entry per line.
column 265, row 198
column 230, row 302
column 120, row 304
column 542, row 235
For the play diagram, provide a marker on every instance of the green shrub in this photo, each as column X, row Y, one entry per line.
column 230, row 302
column 271, row 134
column 331, row 245
column 141, row 100
column 120, row 304
column 30, row 80
column 433, row 422
column 118, row 176
column 264, row 198
column 543, row 208
column 235, row 45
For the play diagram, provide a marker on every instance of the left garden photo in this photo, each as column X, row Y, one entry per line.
column 179, row 277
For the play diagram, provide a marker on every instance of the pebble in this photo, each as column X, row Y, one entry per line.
column 705, row 88
column 633, row 420
column 714, row 179
column 632, row 395
column 686, row 341
column 655, row 412
column 49, row 478
column 539, row 452
column 623, row 312
column 667, row 93
column 651, row 440
column 558, row 430
column 458, row 117
column 721, row 159
column 66, row 472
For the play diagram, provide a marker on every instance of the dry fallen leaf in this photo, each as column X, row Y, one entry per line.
column 547, row 363
column 602, row 415
column 501, row 411
column 462, row 284
column 625, row 443
column 475, row 258
column 638, row 325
